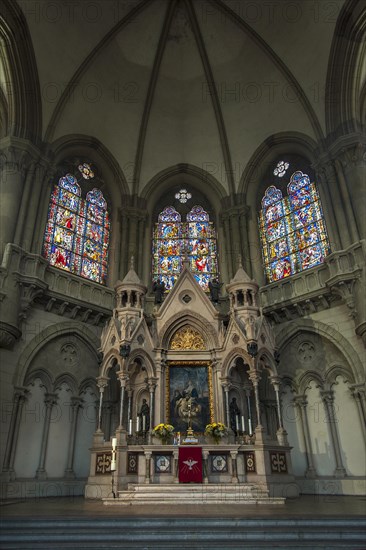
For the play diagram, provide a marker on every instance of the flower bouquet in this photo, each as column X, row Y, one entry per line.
column 216, row 430
column 164, row 432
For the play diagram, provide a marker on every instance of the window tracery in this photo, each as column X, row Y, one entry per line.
column 292, row 228
column 77, row 231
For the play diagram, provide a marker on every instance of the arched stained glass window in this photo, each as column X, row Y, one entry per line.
column 77, row 231
column 292, row 229
column 173, row 239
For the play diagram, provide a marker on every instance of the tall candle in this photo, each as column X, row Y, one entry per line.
column 242, row 424
column 250, row 427
column 138, row 424
column 130, row 427
column 143, row 422
column 237, row 422
column 114, row 442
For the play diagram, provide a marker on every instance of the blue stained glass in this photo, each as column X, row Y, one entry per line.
column 292, row 229
column 173, row 238
column 77, row 231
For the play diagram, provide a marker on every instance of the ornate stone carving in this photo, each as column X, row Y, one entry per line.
column 306, row 352
column 187, row 338
column 69, row 355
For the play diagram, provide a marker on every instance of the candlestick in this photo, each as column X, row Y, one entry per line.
column 130, row 427
column 250, row 426
column 237, row 422
column 114, row 443
column 138, row 424
column 242, row 424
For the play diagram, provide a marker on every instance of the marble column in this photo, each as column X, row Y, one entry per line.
column 123, row 378
column 148, row 455
column 205, row 455
column 328, row 400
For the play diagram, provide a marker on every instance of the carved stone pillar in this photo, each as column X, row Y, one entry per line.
column 247, row 390
column 226, row 387
column 328, row 400
column 152, row 388
column 76, row 403
column 175, row 466
column 50, row 401
column 301, row 403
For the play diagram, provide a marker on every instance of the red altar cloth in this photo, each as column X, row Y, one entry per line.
column 190, row 464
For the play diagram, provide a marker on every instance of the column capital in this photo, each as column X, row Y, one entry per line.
column 327, row 396
column 300, row 401
column 102, row 382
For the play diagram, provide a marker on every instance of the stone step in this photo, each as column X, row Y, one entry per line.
column 193, row 493
column 155, row 533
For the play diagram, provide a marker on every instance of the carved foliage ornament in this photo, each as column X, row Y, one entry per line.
column 186, row 338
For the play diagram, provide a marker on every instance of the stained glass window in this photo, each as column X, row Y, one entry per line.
column 77, row 231
column 292, row 229
column 175, row 239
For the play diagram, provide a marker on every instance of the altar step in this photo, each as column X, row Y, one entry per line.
column 192, row 493
column 184, row 533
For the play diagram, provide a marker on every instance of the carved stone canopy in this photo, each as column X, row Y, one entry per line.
column 187, row 338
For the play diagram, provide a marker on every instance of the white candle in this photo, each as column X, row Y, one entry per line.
column 250, row 426
column 242, row 424
column 143, row 422
column 237, row 422
column 113, row 465
column 138, row 424
column 130, row 427
column 114, row 442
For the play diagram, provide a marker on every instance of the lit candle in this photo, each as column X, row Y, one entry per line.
column 242, row 424
column 130, row 427
column 250, row 426
column 138, row 424
column 114, row 442
column 143, row 423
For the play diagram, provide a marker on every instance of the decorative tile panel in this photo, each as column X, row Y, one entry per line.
column 219, row 463
column 132, row 463
column 163, row 464
column 103, row 463
column 249, row 462
column 278, row 463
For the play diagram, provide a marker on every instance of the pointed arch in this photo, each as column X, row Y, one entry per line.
column 196, row 321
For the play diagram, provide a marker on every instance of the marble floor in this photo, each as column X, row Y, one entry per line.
column 305, row 506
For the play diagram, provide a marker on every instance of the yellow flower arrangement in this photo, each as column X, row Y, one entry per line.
column 164, row 431
column 216, row 430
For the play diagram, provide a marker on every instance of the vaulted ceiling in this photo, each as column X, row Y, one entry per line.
column 165, row 82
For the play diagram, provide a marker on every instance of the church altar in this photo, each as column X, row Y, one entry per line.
column 178, row 375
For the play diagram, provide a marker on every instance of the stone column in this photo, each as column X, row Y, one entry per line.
column 254, row 378
column 148, row 466
column 74, row 408
column 281, row 432
column 175, row 466
column 205, row 455
column 152, row 388
column 328, row 400
column 301, row 403
column 226, row 387
column 358, row 392
column 50, row 401
column 123, row 378
column 346, row 203
column 102, row 382
column 19, row 399
column 247, row 390
column 234, row 467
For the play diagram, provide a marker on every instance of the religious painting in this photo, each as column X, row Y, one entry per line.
column 189, row 395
